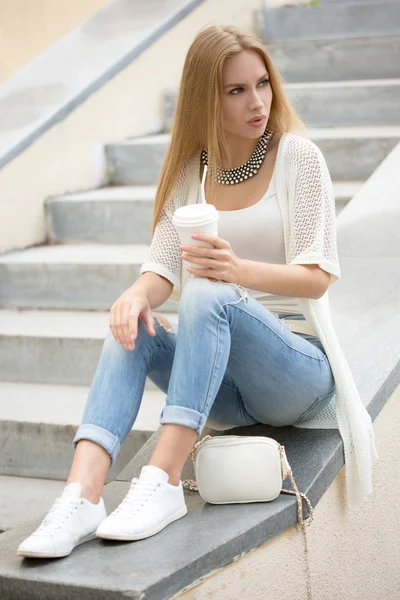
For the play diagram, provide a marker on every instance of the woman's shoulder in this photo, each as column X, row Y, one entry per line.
column 298, row 144
column 300, row 152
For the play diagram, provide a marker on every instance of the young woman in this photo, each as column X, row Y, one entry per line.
column 233, row 359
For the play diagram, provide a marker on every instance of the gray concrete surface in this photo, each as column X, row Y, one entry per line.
column 337, row 60
column 60, row 347
column 25, row 498
column 329, row 21
column 75, row 277
column 38, row 423
column 113, row 215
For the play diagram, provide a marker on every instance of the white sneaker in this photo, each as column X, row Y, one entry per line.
column 150, row 505
column 71, row 521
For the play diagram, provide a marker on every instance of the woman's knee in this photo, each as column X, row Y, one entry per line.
column 112, row 345
column 199, row 293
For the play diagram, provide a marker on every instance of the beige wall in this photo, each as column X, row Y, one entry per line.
column 68, row 157
column 351, row 554
column 28, row 27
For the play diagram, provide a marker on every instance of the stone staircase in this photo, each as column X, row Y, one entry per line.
column 55, row 298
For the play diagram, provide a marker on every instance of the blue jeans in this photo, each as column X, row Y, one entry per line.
column 230, row 358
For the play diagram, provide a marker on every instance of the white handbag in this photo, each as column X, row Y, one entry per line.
column 239, row 469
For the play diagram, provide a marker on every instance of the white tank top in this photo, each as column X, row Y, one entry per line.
column 256, row 233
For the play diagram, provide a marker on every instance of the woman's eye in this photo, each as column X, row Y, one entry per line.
column 239, row 88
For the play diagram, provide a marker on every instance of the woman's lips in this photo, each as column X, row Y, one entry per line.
column 258, row 122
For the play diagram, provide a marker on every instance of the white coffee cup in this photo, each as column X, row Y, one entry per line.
column 196, row 218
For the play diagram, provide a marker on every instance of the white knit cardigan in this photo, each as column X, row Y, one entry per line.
column 306, row 199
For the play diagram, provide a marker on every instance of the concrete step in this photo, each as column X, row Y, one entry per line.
column 112, row 214
column 337, row 60
column 352, row 153
column 366, row 102
column 328, row 21
column 23, row 498
column 136, row 161
column 80, row 276
column 115, row 214
column 347, row 103
column 57, row 347
column 38, row 423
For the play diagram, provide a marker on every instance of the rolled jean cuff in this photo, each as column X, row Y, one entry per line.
column 94, row 433
column 181, row 415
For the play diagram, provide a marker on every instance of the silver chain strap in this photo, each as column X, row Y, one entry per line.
column 191, row 485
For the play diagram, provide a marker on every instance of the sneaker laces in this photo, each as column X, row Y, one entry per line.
column 63, row 507
column 139, row 491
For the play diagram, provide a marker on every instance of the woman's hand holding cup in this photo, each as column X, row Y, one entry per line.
column 217, row 262
column 210, row 255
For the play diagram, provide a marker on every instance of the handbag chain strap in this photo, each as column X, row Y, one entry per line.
column 191, row 485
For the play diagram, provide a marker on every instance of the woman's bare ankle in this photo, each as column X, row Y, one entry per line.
column 89, row 491
column 91, row 495
column 89, row 468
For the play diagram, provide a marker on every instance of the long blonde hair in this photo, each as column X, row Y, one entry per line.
column 197, row 120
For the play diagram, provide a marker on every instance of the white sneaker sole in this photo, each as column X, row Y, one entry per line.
column 126, row 537
column 33, row 554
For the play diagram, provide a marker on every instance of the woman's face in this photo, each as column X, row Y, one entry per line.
column 252, row 98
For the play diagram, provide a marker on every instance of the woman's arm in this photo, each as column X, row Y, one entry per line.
column 299, row 281
column 163, row 263
column 312, row 212
column 156, row 288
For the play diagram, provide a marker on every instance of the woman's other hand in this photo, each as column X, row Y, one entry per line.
column 124, row 315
